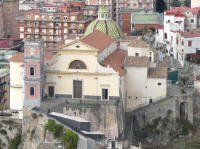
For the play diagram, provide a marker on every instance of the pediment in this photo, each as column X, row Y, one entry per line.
column 79, row 46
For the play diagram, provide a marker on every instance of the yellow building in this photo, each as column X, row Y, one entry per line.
column 76, row 72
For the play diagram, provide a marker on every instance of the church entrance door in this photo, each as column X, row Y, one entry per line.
column 51, row 91
column 77, row 89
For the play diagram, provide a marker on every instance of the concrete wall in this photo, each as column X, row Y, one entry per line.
column 159, row 109
column 155, row 91
column 106, row 52
column 102, row 118
column 16, row 85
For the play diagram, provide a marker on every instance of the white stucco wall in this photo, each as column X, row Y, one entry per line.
column 197, row 85
column 155, row 91
column 136, row 82
column 16, row 86
column 195, row 3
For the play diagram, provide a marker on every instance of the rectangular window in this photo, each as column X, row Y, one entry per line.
column 32, row 70
column 51, row 91
column 32, row 91
column 104, row 93
column 177, row 40
column 189, row 43
column 136, row 54
column 165, row 35
column 192, row 20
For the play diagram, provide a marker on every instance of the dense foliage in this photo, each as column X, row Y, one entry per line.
column 69, row 138
column 56, row 129
column 160, row 6
column 176, row 3
column 15, row 142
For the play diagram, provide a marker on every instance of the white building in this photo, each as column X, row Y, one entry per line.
column 177, row 22
column 144, row 82
column 195, row 3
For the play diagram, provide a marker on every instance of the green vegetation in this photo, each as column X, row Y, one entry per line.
column 69, row 138
column 8, row 122
column 15, row 142
column 153, row 30
column 187, row 3
column 176, row 3
column 56, row 129
column 160, row 6
column 185, row 126
column 137, row 32
column 3, row 132
column 183, row 91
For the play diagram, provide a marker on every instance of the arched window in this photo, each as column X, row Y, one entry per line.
column 77, row 64
column 32, row 91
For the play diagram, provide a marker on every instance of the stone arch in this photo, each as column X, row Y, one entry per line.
column 77, row 64
column 183, row 110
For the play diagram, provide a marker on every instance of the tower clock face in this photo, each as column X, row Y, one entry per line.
column 32, row 51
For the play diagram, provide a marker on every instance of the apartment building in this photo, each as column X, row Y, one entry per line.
column 180, row 33
column 1, row 18
column 9, row 10
column 52, row 23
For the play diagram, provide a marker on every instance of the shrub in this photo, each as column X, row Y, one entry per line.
column 15, row 142
column 56, row 129
column 3, row 132
column 152, row 29
column 70, row 139
column 9, row 122
column 185, row 126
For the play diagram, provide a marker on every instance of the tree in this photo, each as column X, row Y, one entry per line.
column 187, row 3
column 160, row 6
column 176, row 3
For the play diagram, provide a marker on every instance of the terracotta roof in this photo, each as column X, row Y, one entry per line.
column 116, row 61
column 190, row 34
column 127, row 38
column 19, row 57
column 139, row 43
column 7, row 43
column 179, row 11
column 158, row 72
column 32, row 11
column 98, row 40
column 136, row 61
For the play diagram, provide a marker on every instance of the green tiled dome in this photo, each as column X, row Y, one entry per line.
column 108, row 27
column 104, row 24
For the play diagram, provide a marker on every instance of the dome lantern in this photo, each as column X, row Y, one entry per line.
column 103, row 14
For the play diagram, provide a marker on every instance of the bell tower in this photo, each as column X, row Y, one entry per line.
column 33, row 72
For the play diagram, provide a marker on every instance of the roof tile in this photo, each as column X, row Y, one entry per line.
column 136, row 61
column 101, row 41
column 116, row 60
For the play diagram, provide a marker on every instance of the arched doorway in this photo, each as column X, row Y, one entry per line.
column 183, row 110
